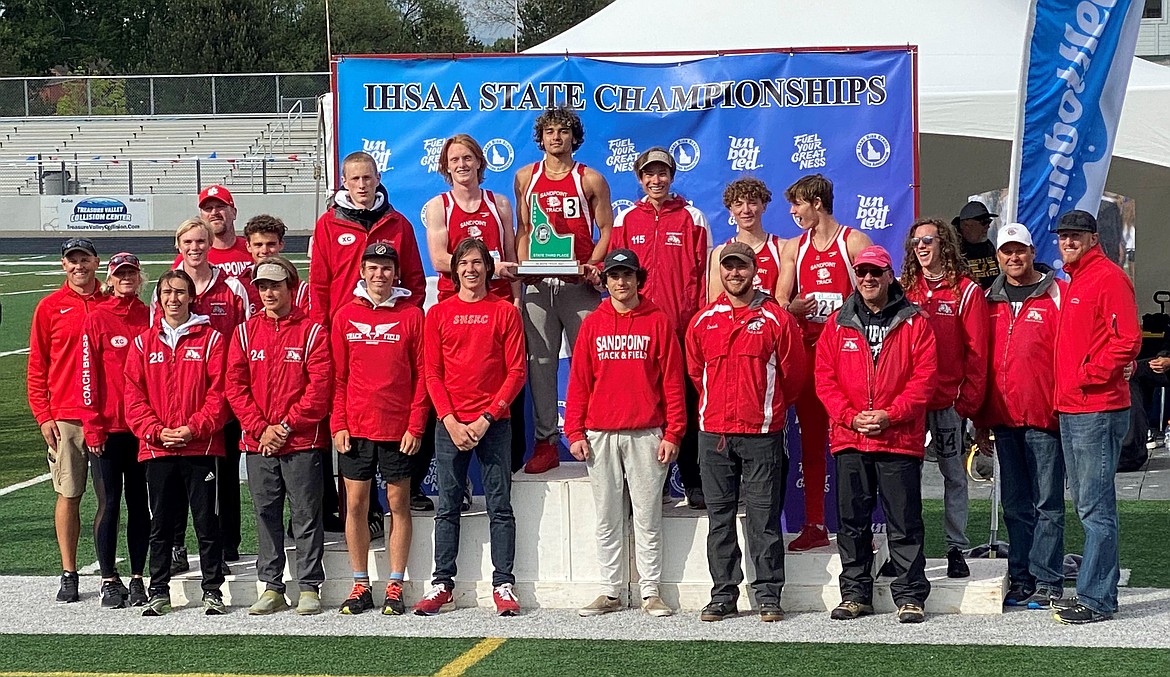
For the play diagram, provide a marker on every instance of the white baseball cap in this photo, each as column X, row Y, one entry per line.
column 1013, row 232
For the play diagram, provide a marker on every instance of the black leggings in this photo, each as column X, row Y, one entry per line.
column 117, row 469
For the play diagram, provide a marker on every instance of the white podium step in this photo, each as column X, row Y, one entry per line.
column 556, row 561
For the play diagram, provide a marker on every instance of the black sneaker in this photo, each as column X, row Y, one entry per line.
column 179, row 563
column 1063, row 603
column 695, row 499
column 1019, row 595
column 1080, row 615
column 420, row 502
column 770, row 612
column 114, row 594
column 393, row 606
column 360, row 599
column 377, row 523
column 1046, row 598
column 956, row 565
column 717, row 611
column 68, row 591
column 213, row 603
column 138, row 596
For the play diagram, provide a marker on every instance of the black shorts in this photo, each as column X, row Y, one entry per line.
column 367, row 455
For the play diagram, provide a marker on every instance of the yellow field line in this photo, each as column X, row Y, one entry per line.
column 469, row 658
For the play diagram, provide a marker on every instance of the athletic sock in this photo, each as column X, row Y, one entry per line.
column 362, row 577
column 397, row 576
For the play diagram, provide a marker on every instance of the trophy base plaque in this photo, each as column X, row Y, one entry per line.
column 549, row 268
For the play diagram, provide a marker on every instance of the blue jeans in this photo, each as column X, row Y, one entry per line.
column 495, row 460
column 1032, row 488
column 1092, row 445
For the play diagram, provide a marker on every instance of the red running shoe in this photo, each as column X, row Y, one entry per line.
column 811, row 536
column 544, row 458
column 506, row 602
column 438, row 599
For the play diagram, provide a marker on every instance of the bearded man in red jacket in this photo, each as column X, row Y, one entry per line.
column 1096, row 344
column 744, row 354
column 876, row 366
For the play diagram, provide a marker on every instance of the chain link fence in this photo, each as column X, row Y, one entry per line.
column 91, row 96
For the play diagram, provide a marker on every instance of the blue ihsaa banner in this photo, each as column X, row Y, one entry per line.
column 1078, row 58
column 775, row 116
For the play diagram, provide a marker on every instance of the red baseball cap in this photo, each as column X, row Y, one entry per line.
column 218, row 193
column 873, row 255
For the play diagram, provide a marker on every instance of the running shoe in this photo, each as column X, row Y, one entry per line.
column 393, row 606
column 438, row 599
column 360, row 600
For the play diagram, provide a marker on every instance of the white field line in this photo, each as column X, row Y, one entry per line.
column 25, row 484
column 42, row 290
column 21, row 351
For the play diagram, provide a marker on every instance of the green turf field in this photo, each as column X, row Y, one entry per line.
column 141, row 655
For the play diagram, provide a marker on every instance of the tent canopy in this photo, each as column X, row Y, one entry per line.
column 969, row 66
column 969, row 53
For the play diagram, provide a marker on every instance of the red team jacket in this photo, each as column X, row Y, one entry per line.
column 279, row 370
column 379, row 390
column 101, row 378
column 958, row 316
column 171, row 387
column 336, row 253
column 475, row 357
column 1022, row 377
column 672, row 244
column 234, row 261
column 748, row 366
column 900, row 382
column 1099, row 334
column 54, row 340
column 627, row 374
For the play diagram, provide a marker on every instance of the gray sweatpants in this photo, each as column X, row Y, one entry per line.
column 551, row 308
column 946, row 439
column 297, row 478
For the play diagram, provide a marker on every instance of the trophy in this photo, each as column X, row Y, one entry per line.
column 550, row 252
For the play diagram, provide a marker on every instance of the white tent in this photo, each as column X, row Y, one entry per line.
column 969, row 66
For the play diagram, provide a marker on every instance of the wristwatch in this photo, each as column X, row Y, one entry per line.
column 488, row 417
column 286, row 426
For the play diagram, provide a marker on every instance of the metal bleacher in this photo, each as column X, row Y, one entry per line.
column 253, row 154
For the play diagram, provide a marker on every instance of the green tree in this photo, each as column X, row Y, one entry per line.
column 542, row 19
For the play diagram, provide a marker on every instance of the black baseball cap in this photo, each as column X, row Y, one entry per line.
column 1077, row 220
column 78, row 244
column 380, row 250
column 621, row 258
column 973, row 210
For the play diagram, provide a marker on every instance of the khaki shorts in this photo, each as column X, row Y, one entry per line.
column 69, row 465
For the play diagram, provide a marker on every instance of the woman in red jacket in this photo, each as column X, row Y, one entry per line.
column 113, row 449
column 175, row 405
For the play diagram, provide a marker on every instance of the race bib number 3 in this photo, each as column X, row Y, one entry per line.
column 824, row 305
column 571, row 207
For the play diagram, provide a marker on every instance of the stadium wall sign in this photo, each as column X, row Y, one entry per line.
column 105, row 213
column 848, row 113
